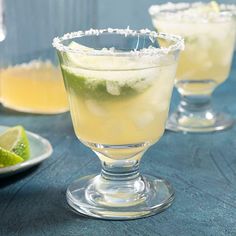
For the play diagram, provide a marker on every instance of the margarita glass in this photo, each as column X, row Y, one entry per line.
column 209, row 32
column 119, row 84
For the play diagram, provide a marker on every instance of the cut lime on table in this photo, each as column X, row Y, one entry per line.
column 14, row 146
column 9, row 158
column 40, row 150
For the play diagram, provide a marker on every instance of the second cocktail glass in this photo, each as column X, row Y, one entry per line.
column 209, row 33
column 119, row 83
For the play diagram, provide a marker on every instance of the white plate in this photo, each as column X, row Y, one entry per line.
column 40, row 149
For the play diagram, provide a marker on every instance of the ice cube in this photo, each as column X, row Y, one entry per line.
column 162, row 106
column 140, row 85
column 113, row 87
column 95, row 108
column 208, row 64
column 144, row 119
column 225, row 59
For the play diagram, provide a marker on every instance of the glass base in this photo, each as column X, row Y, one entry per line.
column 97, row 197
column 179, row 122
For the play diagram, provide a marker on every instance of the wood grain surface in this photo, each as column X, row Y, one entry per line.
column 202, row 168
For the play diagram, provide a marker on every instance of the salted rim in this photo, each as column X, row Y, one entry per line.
column 177, row 45
column 225, row 9
column 228, row 7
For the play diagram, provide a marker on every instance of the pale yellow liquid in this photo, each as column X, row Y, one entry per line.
column 36, row 87
column 121, row 119
column 206, row 60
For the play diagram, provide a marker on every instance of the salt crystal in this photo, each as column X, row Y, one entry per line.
column 192, row 12
column 178, row 43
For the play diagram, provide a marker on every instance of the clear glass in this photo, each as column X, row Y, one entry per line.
column 209, row 32
column 119, row 84
column 30, row 75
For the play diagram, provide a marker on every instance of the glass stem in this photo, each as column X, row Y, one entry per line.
column 120, row 170
column 195, row 104
column 196, row 111
column 120, row 182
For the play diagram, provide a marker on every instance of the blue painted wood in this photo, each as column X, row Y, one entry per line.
column 202, row 168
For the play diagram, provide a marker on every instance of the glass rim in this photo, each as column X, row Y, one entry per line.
column 226, row 10
column 178, row 42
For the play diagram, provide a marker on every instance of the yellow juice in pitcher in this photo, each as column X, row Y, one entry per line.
column 35, row 87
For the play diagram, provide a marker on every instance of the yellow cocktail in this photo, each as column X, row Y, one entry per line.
column 128, row 106
column 35, row 87
column 119, row 85
column 209, row 34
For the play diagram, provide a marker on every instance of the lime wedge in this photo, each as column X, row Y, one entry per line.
column 74, row 45
column 211, row 7
column 9, row 158
column 15, row 141
column 81, row 61
column 104, row 62
column 104, row 88
column 214, row 6
column 106, row 77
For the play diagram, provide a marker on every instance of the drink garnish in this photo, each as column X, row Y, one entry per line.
column 14, row 146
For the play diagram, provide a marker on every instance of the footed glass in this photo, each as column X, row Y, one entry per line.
column 119, row 83
column 209, row 31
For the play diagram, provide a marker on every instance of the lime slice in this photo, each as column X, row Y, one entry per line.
column 15, row 141
column 214, row 6
column 105, row 77
column 74, row 45
column 103, row 88
column 9, row 158
column 104, row 62
column 211, row 7
column 90, row 61
column 81, row 61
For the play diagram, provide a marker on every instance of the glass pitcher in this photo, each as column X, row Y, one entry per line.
column 31, row 80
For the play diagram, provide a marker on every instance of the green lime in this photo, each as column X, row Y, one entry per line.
column 14, row 140
column 76, row 60
column 93, row 88
column 9, row 158
column 74, row 45
column 103, row 84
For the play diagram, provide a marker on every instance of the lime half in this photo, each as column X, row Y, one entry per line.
column 15, row 141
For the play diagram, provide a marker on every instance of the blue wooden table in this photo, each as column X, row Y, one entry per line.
column 202, row 168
